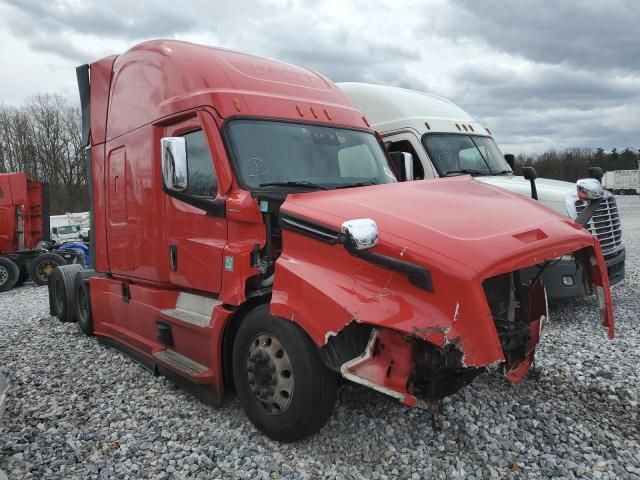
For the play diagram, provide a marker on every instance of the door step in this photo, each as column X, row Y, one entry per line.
column 193, row 309
column 187, row 316
column 180, row 362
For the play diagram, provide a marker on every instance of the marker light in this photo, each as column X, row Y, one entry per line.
column 567, row 281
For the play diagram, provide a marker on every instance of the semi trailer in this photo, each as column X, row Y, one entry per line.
column 446, row 141
column 250, row 232
column 25, row 251
column 622, row 182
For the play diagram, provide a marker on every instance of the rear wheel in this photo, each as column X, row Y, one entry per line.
column 43, row 266
column 24, row 275
column 281, row 382
column 83, row 304
column 63, row 292
column 9, row 274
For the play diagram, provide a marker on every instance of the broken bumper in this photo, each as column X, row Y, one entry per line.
column 564, row 279
column 421, row 367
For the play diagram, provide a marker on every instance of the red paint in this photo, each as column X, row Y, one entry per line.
column 460, row 230
column 20, row 196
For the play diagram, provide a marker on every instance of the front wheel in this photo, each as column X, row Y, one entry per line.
column 281, row 382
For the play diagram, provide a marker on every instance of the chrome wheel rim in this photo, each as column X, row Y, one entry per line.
column 45, row 269
column 4, row 275
column 270, row 374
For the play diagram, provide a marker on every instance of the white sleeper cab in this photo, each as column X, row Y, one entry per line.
column 444, row 140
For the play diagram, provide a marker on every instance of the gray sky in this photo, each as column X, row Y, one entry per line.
column 539, row 74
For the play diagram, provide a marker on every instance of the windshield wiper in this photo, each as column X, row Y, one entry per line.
column 294, row 184
column 357, row 184
column 503, row 172
column 463, row 171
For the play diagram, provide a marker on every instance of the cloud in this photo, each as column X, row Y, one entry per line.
column 581, row 33
column 541, row 75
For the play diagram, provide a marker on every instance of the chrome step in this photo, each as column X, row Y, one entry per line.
column 193, row 309
column 180, row 362
column 188, row 316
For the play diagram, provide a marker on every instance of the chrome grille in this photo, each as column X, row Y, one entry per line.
column 605, row 225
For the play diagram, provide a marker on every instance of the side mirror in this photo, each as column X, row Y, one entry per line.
column 174, row 163
column 530, row 174
column 362, row 233
column 511, row 160
column 596, row 172
column 402, row 164
column 589, row 189
column 54, row 230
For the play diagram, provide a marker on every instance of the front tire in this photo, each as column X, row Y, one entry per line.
column 281, row 382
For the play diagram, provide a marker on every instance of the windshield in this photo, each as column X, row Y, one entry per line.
column 305, row 156
column 454, row 153
column 67, row 229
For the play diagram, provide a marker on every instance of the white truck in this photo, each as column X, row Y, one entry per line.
column 70, row 227
column 444, row 140
column 622, row 182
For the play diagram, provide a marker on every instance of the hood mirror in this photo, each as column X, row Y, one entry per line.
column 589, row 189
column 529, row 173
column 362, row 233
column 596, row 172
column 174, row 163
column 511, row 160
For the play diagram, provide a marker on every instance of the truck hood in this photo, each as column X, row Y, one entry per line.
column 550, row 192
column 471, row 224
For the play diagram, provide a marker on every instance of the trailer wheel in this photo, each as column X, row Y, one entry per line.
column 9, row 274
column 43, row 265
column 281, row 382
column 63, row 292
column 24, row 275
column 83, row 304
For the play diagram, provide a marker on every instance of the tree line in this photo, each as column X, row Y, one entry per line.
column 572, row 163
column 43, row 138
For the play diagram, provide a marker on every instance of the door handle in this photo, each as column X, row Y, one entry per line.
column 173, row 257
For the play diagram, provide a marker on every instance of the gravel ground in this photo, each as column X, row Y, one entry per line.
column 80, row 410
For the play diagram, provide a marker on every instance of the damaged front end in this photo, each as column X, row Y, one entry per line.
column 418, row 314
column 419, row 372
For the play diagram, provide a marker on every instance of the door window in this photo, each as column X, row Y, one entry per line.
column 202, row 177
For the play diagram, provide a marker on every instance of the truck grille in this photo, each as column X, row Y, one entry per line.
column 605, row 225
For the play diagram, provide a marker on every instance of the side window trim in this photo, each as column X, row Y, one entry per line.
column 423, row 157
column 215, row 207
column 208, row 160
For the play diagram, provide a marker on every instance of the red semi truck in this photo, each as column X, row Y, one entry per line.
column 251, row 231
column 24, row 229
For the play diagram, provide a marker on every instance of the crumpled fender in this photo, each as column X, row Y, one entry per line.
column 322, row 288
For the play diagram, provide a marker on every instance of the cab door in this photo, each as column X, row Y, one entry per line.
column 194, row 221
column 409, row 143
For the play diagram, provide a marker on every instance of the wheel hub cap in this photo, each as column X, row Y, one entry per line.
column 4, row 275
column 270, row 374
